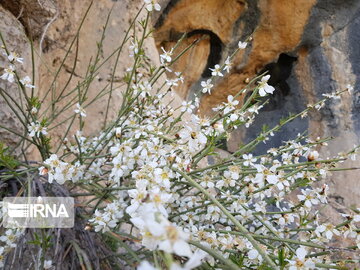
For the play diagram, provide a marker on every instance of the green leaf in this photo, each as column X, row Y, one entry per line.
column 7, row 160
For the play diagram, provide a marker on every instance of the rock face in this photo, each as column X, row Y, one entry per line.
column 54, row 26
column 309, row 47
column 15, row 38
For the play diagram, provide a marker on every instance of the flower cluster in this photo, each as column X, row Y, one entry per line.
column 8, row 242
column 60, row 171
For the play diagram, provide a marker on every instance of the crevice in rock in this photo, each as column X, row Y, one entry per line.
column 163, row 15
column 16, row 9
column 216, row 47
column 32, row 14
column 279, row 72
column 250, row 18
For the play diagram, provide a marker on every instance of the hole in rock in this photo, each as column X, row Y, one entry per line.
column 215, row 50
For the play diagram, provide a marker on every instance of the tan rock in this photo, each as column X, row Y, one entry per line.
column 321, row 34
column 16, row 41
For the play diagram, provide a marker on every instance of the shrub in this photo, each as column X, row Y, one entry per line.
column 156, row 184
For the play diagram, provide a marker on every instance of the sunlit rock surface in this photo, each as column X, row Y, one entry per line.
column 309, row 48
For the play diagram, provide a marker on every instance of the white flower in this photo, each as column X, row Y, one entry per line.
column 285, row 219
column 150, row 5
column 333, row 95
column 253, row 254
column 173, row 82
column 35, row 129
column 162, row 177
column 187, row 107
column 282, row 183
column 226, row 182
column 158, row 232
column 233, row 172
column 10, row 237
column 242, row 45
column 216, row 71
column 102, row 221
column 309, row 197
column 272, row 179
column 219, row 127
column 166, row 56
column 133, row 48
column 264, row 88
column 33, row 110
column 249, row 159
column 26, row 81
column 301, row 263
column 80, row 110
column 227, row 64
column 159, row 199
column 230, row 105
column 328, row 229
column 47, row 264
column 194, row 138
column 9, row 74
column 350, row 88
column 313, row 155
column 52, row 161
column 213, row 213
column 175, row 241
column 61, row 171
column 206, row 86
column 120, row 168
column 322, row 193
column 179, row 76
column 207, row 182
column 233, row 117
column 15, row 57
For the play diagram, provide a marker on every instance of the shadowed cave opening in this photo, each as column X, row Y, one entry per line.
column 286, row 98
column 279, row 72
column 216, row 47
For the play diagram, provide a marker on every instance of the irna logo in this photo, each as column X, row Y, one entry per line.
column 38, row 212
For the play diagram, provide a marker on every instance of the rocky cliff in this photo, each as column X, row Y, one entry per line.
column 309, row 47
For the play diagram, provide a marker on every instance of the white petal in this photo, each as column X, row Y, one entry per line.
column 157, row 8
column 269, row 89
column 272, row 179
column 155, row 228
column 195, row 259
column 329, row 234
column 265, row 78
column 242, row 45
column 262, row 92
column 301, row 253
column 252, row 254
column 165, row 246
column 182, row 248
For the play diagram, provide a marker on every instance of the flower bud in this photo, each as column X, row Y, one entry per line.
column 313, row 155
